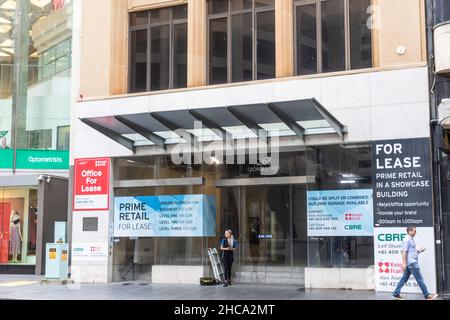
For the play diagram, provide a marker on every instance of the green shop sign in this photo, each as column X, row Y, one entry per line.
column 35, row 159
column 6, row 158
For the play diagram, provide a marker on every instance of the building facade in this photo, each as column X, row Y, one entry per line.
column 35, row 91
column 303, row 126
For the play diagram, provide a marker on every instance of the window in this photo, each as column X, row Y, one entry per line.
column 39, row 139
column 332, row 35
column 158, row 49
column 55, row 60
column 241, row 42
column 63, row 138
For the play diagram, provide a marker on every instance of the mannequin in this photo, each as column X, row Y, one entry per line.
column 15, row 237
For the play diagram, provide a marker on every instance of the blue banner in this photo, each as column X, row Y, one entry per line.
column 165, row 216
column 340, row 213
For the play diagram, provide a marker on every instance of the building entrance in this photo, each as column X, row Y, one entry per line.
column 270, row 225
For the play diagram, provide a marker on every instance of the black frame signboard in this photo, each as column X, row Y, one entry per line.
column 402, row 183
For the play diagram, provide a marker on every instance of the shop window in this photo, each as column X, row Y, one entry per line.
column 18, row 225
column 241, row 41
column 158, row 49
column 337, row 168
column 332, row 35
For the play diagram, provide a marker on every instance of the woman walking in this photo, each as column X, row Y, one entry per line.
column 227, row 246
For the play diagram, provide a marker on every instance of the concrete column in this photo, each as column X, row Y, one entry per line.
column 284, row 38
column 196, row 43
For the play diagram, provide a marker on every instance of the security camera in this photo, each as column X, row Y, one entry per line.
column 41, row 178
column 49, row 179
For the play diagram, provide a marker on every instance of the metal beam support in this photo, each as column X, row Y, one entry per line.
column 127, row 143
column 292, row 124
column 173, row 127
column 339, row 127
column 252, row 125
column 225, row 135
column 149, row 135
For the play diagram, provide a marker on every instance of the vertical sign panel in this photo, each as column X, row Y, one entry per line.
column 91, row 189
column 402, row 193
column 402, row 183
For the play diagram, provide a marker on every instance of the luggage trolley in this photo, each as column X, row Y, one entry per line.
column 216, row 264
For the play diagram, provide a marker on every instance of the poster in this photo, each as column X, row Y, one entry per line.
column 91, row 184
column 90, row 252
column 165, row 216
column 402, row 183
column 388, row 259
column 340, row 213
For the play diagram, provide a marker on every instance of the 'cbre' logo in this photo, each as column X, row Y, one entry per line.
column 391, row 236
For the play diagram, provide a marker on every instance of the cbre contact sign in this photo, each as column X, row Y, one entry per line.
column 91, row 189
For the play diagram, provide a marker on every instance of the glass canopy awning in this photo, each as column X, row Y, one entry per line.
column 287, row 118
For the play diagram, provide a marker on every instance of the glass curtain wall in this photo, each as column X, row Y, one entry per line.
column 34, row 77
column 269, row 221
column 158, row 49
column 134, row 257
column 340, row 168
column 332, row 35
column 241, row 40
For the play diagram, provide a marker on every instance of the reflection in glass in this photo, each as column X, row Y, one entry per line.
column 218, row 63
column 167, row 68
column 266, row 44
column 333, row 36
column 237, row 5
column 264, row 3
column 138, row 72
column 306, row 39
column 242, row 47
column 217, row 6
column 360, row 34
column 161, row 15
column 160, row 57
column 138, row 18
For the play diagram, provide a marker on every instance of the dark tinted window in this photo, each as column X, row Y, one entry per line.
column 218, row 51
column 138, row 58
column 242, row 48
column 160, row 58
column 333, row 36
column 266, row 45
column 360, row 34
column 162, row 63
column 180, row 58
column 241, row 40
column 306, row 39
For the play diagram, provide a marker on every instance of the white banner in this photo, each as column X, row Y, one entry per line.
column 388, row 259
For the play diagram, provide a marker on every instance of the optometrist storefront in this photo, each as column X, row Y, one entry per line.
column 316, row 185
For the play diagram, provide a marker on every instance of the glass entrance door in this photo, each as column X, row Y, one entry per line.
column 267, row 226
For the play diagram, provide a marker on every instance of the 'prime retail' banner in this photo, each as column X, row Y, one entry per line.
column 340, row 213
column 165, row 216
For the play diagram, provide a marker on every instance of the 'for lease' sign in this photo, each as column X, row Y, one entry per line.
column 91, row 188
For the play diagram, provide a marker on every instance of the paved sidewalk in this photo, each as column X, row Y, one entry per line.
column 29, row 288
